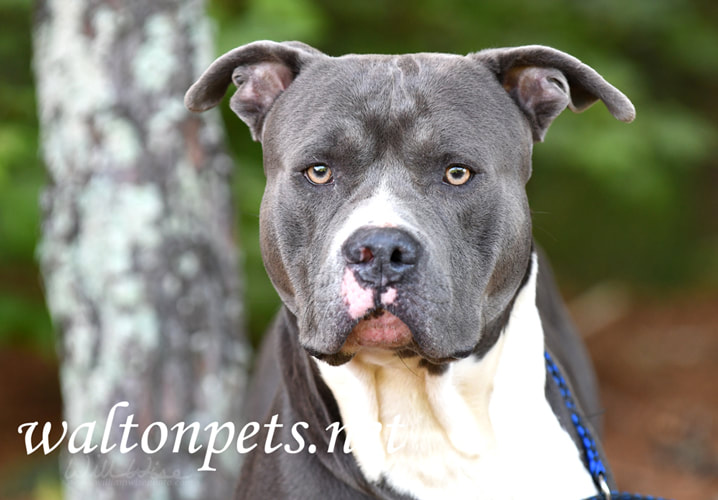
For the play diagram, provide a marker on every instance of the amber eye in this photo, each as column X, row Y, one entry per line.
column 456, row 175
column 319, row 174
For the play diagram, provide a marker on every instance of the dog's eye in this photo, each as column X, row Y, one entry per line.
column 319, row 174
column 456, row 175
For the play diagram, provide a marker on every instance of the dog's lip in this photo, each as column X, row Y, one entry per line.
column 380, row 329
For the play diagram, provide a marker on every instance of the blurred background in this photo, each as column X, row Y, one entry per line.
column 627, row 213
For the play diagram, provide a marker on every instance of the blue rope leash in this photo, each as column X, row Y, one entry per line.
column 590, row 452
column 624, row 496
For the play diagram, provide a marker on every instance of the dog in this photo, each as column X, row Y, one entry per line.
column 418, row 316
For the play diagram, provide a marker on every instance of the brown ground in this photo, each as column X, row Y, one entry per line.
column 658, row 368
column 29, row 392
column 657, row 365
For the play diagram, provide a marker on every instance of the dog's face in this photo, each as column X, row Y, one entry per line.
column 394, row 214
column 391, row 188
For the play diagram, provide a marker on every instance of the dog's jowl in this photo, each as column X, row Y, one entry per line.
column 417, row 310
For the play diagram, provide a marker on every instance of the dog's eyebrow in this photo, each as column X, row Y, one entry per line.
column 346, row 144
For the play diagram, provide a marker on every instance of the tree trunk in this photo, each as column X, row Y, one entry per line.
column 137, row 250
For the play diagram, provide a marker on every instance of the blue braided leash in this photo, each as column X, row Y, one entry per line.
column 590, row 452
column 624, row 496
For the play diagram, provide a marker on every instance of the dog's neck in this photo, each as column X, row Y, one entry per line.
column 481, row 429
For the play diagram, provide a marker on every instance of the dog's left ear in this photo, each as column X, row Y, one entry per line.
column 544, row 81
column 260, row 70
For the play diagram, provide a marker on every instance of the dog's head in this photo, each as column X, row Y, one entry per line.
column 395, row 213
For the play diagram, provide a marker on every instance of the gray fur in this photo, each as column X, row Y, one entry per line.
column 397, row 122
column 391, row 119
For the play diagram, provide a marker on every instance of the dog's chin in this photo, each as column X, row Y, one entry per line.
column 380, row 329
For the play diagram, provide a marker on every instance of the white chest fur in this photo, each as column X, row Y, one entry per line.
column 482, row 430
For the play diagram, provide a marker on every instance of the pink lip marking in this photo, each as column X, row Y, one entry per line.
column 386, row 331
column 388, row 297
column 359, row 300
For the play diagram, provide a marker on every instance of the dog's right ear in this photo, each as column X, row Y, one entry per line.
column 260, row 70
column 544, row 81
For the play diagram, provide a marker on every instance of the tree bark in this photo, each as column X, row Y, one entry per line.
column 137, row 250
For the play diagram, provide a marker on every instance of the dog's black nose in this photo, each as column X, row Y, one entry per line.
column 381, row 256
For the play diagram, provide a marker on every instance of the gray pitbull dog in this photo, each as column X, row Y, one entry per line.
column 396, row 230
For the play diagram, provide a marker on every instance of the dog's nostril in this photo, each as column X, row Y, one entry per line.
column 396, row 256
column 365, row 255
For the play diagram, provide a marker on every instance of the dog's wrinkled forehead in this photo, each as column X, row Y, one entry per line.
column 367, row 107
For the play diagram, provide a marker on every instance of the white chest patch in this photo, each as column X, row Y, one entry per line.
column 481, row 430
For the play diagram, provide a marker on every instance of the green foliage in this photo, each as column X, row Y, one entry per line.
column 257, row 20
column 611, row 201
column 24, row 321
column 23, row 316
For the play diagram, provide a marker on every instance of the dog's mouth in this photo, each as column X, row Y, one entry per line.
column 382, row 331
column 376, row 321
column 378, row 329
